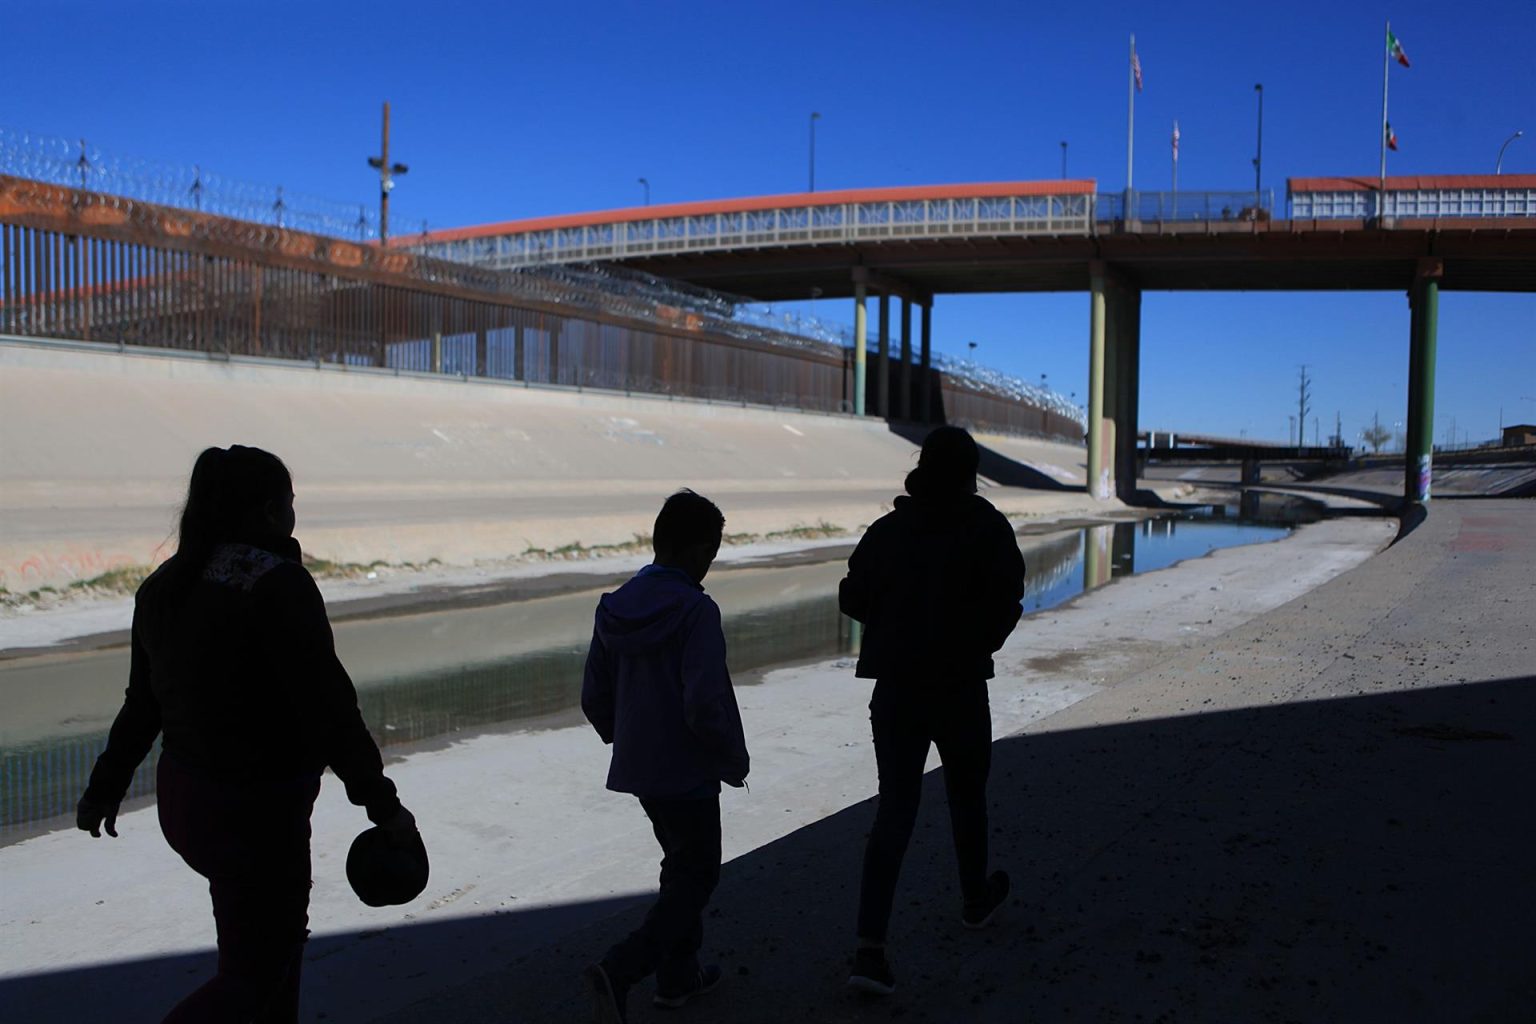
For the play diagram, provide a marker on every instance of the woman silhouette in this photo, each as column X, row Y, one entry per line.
column 233, row 661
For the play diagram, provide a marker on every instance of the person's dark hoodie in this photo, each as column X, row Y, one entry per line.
column 657, row 688
column 937, row 583
column 240, row 673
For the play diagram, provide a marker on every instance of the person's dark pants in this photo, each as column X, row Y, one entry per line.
column 668, row 940
column 906, row 716
column 251, row 841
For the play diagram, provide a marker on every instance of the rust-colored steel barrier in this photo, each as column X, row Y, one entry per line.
column 88, row 266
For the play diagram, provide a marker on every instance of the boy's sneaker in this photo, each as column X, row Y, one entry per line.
column 607, row 999
column 979, row 915
column 709, row 977
column 871, row 972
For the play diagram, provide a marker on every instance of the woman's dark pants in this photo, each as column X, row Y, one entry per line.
column 906, row 716
column 668, row 940
column 251, row 841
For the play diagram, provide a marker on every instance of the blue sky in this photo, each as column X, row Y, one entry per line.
column 509, row 111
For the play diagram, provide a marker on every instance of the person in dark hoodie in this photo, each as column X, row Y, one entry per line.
column 656, row 687
column 232, row 661
column 937, row 583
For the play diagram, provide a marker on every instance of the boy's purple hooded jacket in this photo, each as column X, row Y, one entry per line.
column 656, row 687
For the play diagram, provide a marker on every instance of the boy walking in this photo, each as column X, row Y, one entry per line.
column 656, row 687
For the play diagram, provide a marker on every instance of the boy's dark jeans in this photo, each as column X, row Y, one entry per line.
column 668, row 941
column 906, row 716
column 251, row 841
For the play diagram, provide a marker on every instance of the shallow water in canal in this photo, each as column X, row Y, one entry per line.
column 441, row 675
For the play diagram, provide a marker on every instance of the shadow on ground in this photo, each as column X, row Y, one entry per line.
column 1354, row 859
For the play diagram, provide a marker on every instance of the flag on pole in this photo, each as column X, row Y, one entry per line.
column 1391, row 138
column 1175, row 140
column 1136, row 67
column 1395, row 49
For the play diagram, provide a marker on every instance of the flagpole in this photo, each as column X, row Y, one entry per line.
column 1381, row 192
column 1175, row 203
column 1175, row 158
column 1130, row 134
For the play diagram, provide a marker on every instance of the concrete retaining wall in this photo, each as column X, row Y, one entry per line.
column 96, row 445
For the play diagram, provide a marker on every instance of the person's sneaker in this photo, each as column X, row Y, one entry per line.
column 607, row 998
column 871, row 972
column 709, row 977
column 979, row 915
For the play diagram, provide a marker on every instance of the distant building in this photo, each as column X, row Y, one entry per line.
column 1519, row 434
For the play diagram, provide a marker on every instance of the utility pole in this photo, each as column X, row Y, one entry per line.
column 1304, row 405
column 1291, row 430
column 387, row 172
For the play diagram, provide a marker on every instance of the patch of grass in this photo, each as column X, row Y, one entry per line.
column 327, row 569
column 124, row 580
column 816, row 532
column 577, row 550
column 121, row 581
column 641, row 543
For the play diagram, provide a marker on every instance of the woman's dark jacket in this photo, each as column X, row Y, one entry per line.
column 239, row 670
column 937, row 583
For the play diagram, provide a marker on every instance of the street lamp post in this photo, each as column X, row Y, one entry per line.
column 647, row 186
column 387, row 172
column 1498, row 165
column 814, row 118
column 1063, row 159
column 1258, row 158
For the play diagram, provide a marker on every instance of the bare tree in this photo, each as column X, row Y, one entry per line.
column 1376, row 435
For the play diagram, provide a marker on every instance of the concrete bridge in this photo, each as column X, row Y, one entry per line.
column 1418, row 235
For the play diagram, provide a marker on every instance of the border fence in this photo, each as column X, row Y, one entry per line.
column 89, row 266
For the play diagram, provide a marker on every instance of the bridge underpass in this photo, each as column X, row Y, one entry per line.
column 1475, row 233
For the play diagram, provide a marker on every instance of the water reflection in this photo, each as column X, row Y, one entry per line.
column 535, row 686
column 425, row 679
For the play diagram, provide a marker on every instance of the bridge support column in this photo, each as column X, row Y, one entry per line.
column 905, row 378
column 1098, row 478
column 925, row 366
column 860, row 344
column 1424, row 317
column 1114, row 370
column 1123, row 400
column 883, row 364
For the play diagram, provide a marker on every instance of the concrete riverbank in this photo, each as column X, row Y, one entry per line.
column 532, row 858
column 394, row 472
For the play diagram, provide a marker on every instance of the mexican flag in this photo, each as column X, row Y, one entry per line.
column 1391, row 138
column 1395, row 49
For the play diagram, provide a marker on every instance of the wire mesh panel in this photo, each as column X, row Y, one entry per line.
column 81, row 265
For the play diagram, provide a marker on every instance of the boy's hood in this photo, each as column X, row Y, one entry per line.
column 647, row 609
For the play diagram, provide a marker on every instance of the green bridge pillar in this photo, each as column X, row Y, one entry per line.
column 883, row 362
column 925, row 363
column 904, row 408
column 1098, row 478
column 1124, row 358
column 1114, row 371
column 1424, row 305
column 860, row 344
